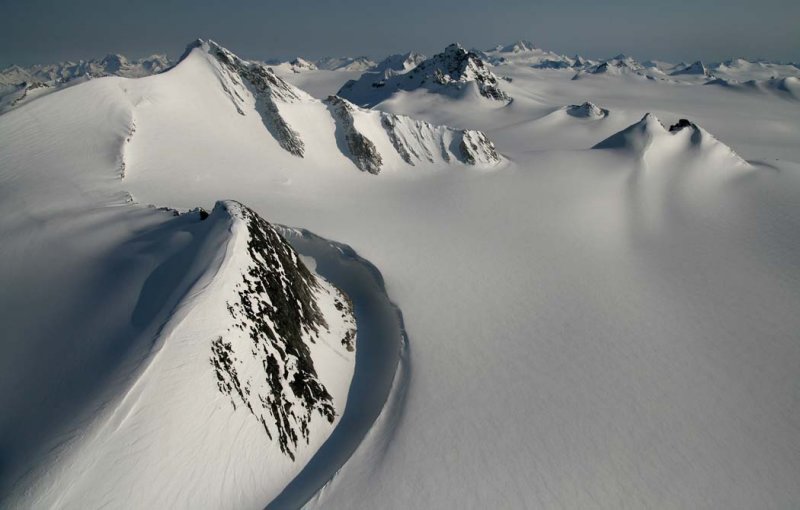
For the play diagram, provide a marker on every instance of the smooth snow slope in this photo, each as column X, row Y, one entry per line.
column 588, row 328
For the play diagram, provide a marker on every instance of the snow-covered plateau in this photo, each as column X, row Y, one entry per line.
column 485, row 279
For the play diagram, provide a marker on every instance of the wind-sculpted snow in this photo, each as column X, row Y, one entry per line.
column 449, row 72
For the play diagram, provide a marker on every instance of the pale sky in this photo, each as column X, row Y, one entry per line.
column 46, row 31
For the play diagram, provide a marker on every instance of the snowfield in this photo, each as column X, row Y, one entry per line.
column 598, row 282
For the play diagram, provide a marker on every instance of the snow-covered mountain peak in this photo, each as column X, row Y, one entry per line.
column 450, row 72
column 516, row 47
column 618, row 64
column 301, row 64
column 345, row 63
column 587, row 110
column 696, row 68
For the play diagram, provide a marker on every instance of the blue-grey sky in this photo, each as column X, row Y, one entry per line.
column 45, row 31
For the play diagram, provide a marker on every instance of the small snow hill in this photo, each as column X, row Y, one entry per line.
column 650, row 141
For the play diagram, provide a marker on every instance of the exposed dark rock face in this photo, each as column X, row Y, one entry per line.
column 276, row 307
column 682, row 123
column 457, row 65
column 362, row 151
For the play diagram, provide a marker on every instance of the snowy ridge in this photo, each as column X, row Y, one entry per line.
column 371, row 140
column 412, row 140
column 526, row 53
column 345, row 63
column 449, row 72
column 398, row 63
column 110, row 65
column 268, row 89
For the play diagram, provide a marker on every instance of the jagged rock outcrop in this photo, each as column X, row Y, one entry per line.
column 413, row 140
column 477, row 148
column 265, row 363
column 456, row 66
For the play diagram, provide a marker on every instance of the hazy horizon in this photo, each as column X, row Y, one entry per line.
column 44, row 31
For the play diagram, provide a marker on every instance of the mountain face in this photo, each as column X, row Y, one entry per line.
column 449, row 72
column 267, row 366
column 372, row 140
column 456, row 66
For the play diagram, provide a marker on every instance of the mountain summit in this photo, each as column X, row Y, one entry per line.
column 451, row 72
